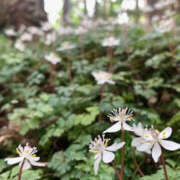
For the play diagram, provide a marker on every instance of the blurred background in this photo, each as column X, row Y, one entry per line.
column 49, row 97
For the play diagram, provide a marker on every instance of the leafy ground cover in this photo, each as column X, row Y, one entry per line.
column 59, row 107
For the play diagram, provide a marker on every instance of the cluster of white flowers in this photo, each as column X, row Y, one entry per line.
column 100, row 148
column 103, row 77
column 110, row 42
column 27, row 156
column 52, row 58
column 149, row 140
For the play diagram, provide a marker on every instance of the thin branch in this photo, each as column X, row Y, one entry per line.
column 122, row 153
column 20, row 170
column 135, row 162
column 164, row 167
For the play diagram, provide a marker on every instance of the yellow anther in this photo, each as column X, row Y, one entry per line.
column 164, row 133
column 151, row 142
column 34, row 155
column 106, row 142
column 130, row 118
column 146, row 136
column 111, row 119
column 18, row 152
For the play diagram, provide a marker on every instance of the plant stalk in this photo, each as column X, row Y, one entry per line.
column 122, row 153
column 136, row 164
column 20, row 170
column 164, row 167
column 110, row 54
column 117, row 173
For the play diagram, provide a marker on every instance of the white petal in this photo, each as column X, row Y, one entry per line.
column 165, row 133
column 108, row 156
column 138, row 130
column 127, row 127
column 96, row 163
column 148, row 136
column 137, row 142
column 144, row 147
column 170, row 145
column 110, row 82
column 115, row 146
column 156, row 152
column 14, row 160
column 26, row 165
column 114, row 128
column 40, row 164
column 35, row 158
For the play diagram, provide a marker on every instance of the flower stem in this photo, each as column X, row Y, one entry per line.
column 136, row 164
column 117, row 173
column 110, row 54
column 101, row 98
column 164, row 167
column 122, row 153
column 20, row 170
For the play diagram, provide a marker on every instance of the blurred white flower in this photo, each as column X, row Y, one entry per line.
column 102, row 151
column 164, row 25
column 120, row 116
column 10, row 32
column 50, row 38
column 46, row 26
column 53, row 58
column 140, row 131
column 19, row 45
column 26, row 37
column 162, row 4
column 26, row 155
column 103, row 77
column 111, row 41
column 155, row 140
column 65, row 30
column 66, row 46
column 81, row 30
column 35, row 31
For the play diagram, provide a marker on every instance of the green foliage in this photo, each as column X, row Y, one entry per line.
column 59, row 107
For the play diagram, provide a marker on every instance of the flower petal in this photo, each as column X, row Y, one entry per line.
column 127, row 127
column 170, row 145
column 165, row 133
column 144, row 147
column 138, row 130
column 26, row 165
column 156, row 152
column 14, row 160
column 148, row 136
column 96, row 163
column 114, row 128
column 115, row 146
column 108, row 156
column 137, row 142
column 40, row 164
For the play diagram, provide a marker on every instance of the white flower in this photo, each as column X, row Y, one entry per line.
column 102, row 151
column 46, row 26
column 19, row 45
column 120, row 116
column 50, row 38
column 26, row 37
column 35, row 31
column 111, row 41
column 66, row 46
column 10, row 32
column 103, row 77
column 138, row 141
column 26, row 155
column 53, row 58
column 155, row 140
column 164, row 25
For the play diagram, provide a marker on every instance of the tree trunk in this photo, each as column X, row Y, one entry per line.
column 66, row 11
column 18, row 12
column 85, row 8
